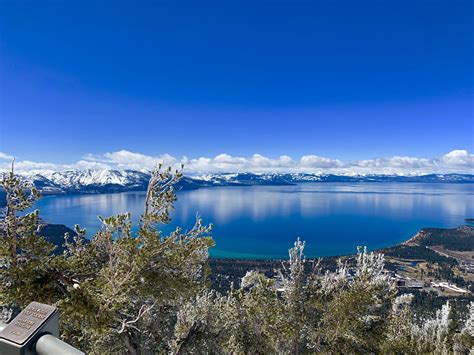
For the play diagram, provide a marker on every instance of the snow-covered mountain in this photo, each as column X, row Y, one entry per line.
column 106, row 181
column 89, row 181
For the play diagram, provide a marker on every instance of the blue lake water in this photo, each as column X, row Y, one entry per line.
column 264, row 221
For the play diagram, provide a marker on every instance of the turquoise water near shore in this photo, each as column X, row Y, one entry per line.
column 264, row 221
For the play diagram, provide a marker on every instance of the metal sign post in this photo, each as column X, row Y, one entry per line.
column 34, row 331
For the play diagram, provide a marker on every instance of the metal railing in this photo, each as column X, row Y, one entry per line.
column 34, row 331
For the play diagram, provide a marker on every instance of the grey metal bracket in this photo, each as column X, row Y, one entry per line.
column 34, row 331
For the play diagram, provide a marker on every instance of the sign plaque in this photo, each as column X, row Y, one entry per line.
column 27, row 323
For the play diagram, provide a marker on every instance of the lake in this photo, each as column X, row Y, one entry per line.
column 264, row 221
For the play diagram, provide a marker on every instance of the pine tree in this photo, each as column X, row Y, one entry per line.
column 115, row 291
column 128, row 288
column 25, row 258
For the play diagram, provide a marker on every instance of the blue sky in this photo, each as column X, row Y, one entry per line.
column 350, row 80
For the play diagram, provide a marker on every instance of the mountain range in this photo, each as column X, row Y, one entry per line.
column 109, row 181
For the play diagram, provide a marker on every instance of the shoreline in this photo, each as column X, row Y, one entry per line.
column 426, row 251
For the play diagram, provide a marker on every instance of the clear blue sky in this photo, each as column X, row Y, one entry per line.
column 346, row 79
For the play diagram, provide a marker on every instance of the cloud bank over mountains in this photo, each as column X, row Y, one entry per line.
column 456, row 161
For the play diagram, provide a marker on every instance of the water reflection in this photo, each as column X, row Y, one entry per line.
column 263, row 221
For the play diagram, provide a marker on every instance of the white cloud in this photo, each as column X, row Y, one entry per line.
column 228, row 163
column 123, row 159
column 460, row 161
column 4, row 156
column 458, row 157
column 317, row 162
